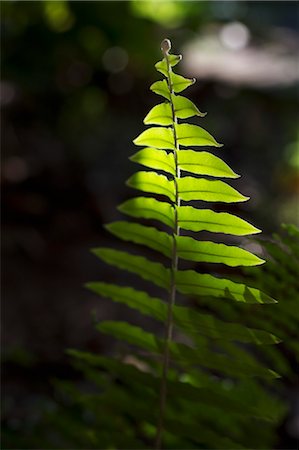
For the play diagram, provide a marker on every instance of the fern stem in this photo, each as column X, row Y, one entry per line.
column 166, row 45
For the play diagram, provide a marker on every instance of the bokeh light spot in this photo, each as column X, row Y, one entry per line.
column 170, row 14
column 234, row 36
column 115, row 59
column 58, row 16
column 93, row 41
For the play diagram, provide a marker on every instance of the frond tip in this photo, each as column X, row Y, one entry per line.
column 165, row 46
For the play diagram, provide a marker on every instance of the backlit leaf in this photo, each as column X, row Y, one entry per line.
column 152, row 182
column 149, row 270
column 159, row 115
column 208, row 190
column 207, row 220
column 194, row 136
column 149, row 208
column 161, row 88
column 204, row 163
column 141, row 234
column 161, row 66
column 184, row 108
column 155, row 159
column 204, row 251
column 158, row 137
column 162, row 114
column 180, row 83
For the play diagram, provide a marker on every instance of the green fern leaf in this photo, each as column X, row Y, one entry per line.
column 149, row 208
column 204, row 163
column 184, row 108
column 161, row 88
column 151, row 271
column 190, row 188
column 162, row 66
column 155, row 159
column 159, row 115
column 158, row 137
column 162, row 114
column 201, row 251
column 180, row 83
column 194, row 219
column 152, row 182
column 193, row 135
column 140, row 234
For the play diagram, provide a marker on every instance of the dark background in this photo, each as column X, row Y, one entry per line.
column 74, row 92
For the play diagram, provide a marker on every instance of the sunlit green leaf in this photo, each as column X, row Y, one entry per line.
column 149, row 270
column 141, row 234
column 194, row 136
column 161, row 66
column 155, row 159
column 152, row 182
column 207, row 220
column 158, row 137
column 184, row 108
column 149, row 208
column 204, row 251
column 180, row 83
column 162, row 114
column 161, row 88
column 204, row 163
column 208, row 190
column 159, row 115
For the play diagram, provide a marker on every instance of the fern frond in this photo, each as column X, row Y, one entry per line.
column 191, row 351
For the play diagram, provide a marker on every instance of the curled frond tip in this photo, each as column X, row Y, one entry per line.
column 165, row 46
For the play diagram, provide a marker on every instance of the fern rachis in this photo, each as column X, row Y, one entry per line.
column 174, row 254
